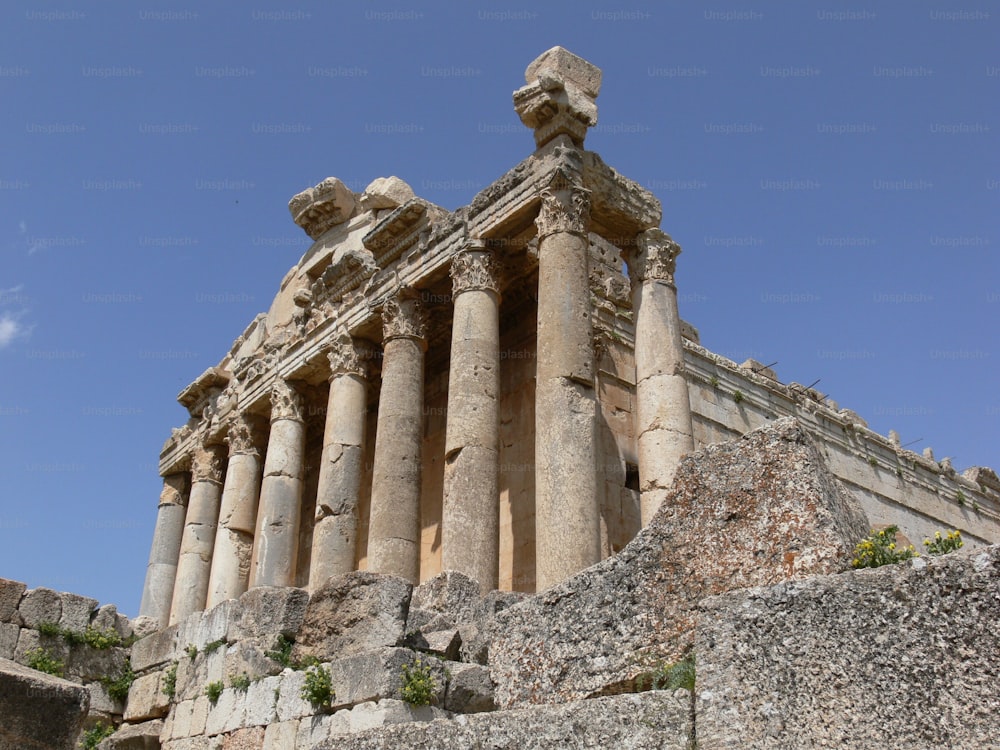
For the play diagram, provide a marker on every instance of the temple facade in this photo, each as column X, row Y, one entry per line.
column 503, row 390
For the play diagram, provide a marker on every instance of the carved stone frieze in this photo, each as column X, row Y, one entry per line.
column 322, row 207
column 564, row 209
column 475, row 268
column 404, row 316
column 286, row 402
column 655, row 257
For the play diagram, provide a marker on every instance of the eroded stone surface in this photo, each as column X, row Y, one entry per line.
column 10, row 596
column 39, row 711
column 755, row 511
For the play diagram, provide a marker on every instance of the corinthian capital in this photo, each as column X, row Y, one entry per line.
column 244, row 435
column 403, row 316
column 565, row 209
column 286, row 402
column 208, row 463
column 475, row 268
column 655, row 257
column 346, row 356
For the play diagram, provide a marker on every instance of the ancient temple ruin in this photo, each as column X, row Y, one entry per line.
column 502, row 390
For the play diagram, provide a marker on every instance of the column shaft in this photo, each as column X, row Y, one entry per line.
column 335, row 534
column 276, row 544
column 394, row 526
column 470, row 528
column 567, row 520
column 161, row 572
column 663, row 406
column 198, row 543
column 238, row 513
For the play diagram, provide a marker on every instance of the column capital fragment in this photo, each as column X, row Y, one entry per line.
column 404, row 316
column 286, row 402
column 347, row 356
column 565, row 208
column 475, row 267
column 654, row 257
column 207, row 463
column 244, row 434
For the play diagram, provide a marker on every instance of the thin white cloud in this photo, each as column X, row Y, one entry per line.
column 10, row 329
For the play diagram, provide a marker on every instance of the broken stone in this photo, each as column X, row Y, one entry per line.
column 322, row 207
column 386, row 192
column 39, row 710
column 76, row 612
column 40, row 605
column 561, row 63
column 269, row 611
column 10, row 596
column 144, row 736
column 470, row 689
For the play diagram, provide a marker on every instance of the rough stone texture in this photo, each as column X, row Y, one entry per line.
column 77, row 612
column 245, row 739
column 38, row 711
column 650, row 721
column 374, row 675
column 477, row 631
column 146, row 699
column 386, row 192
column 352, row 613
column 268, row 611
column 8, row 639
column 144, row 736
column 40, row 605
column 154, row 650
column 906, row 655
column 470, row 689
column 10, row 596
column 108, row 618
column 752, row 512
column 452, row 594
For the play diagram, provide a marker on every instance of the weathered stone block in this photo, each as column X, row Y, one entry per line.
column 245, row 739
column 758, row 510
column 204, row 628
column 38, row 710
column 77, row 612
column 262, row 701
column 562, row 63
column 291, row 704
column 10, row 597
column 155, row 650
column 144, row 736
column 369, row 715
column 477, row 632
column 108, row 618
column 92, row 664
column 386, row 192
column 451, row 594
column 194, row 674
column 470, row 689
column 378, row 674
column 8, row 639
column 316, row 729
column 101, row 702
column 903, row 656
column 40, row 605
column 353, row 613
column 227, row 713
column 281, row 736
column 644, row 721
column 249, row 657
column 195, row 743
column 268, row 611
column 146, row 699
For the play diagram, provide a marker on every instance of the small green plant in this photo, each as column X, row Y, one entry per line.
column 942, row 545
column 43, row 661
column 170, row 681
column 975, row 506
column 214, row 645
column 738, row 397
column 101, row 639
column 282, row 651
column 95, row 735
column 418, row 683
column 879, row 548
column 714, row 381
column 960, row 498
column 318, row 687
column 670, row 676
column 49, row 629
column 191, row 651
column 872, row 461
column 118, row 687
column 241, row 682
column 899, row 472
column 213, row 690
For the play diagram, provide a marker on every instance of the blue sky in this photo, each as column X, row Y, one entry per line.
column 830, row 169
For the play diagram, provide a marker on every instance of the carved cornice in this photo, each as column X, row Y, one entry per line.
column 245, row 434
column 655, row 257
column 564, row 209
column 286, row 402
column 475, row 268
column 347, row 357
column 322, row 207
column 207, row 463
column 404, row 316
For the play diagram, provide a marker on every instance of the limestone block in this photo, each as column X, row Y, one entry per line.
column 352, row 613
column 40, row 605
column 146, row 699
column 281, row 736
column 902, row 656
column 316, row 729
column 144, row 625
column 370, row 715
column 562, row 63
column 202, row 628
column 228, row 712
column 144, row 736
column 646, row 721
column 386, row 192
column 291, row 704
column 194, row 674
column 29, row 640
column 108, row 618
column 76, row 612
column 268, row 611
column 196, row 743
column 39, row 710
column 378, row 674
column 101, row 702
column 249, row 657
column 470, row 689
column 477, row 632
column 155, row 650
column 92, row 664
column 443, row 643
column 322, row 207
column 758, row 510
column 449, row 593
column 180, row 720
column 245, row 739
column 261, row 701
column 10, row 597
column 8, row 639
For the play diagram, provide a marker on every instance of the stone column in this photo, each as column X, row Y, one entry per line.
column 335, row 534
column 195, row 563
column 470, row 527
column 663, row 406
column 394, row 526
column 567, row 519
column 238, row 514
column 161, row 572
column 276, row 544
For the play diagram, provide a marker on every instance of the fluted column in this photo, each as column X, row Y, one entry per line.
column 394, row 526
column 161, row 572
column 276, row 544
column 567, row 521
column 470, row 527
column 198, row 542
column 663, row 406
column 237, row 516
column 335, row 534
